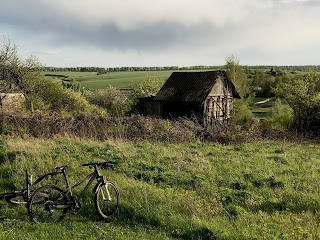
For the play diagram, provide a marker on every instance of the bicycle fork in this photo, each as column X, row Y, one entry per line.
column 105, row 186
column 108, row 194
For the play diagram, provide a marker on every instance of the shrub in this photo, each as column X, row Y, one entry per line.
column 112, row 99
column 242, row 113
column 148, row 87
column 49, row 95
column 280, row 117
column 303, row 96
column 72, row 84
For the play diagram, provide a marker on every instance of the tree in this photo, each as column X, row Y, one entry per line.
column 238, row 77
column 303, row 96
column 8, row 53
column 148, row 87
column 242, row 113
column 25, row 76
column 18, row 75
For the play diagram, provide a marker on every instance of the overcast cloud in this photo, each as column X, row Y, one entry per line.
column 164, row 32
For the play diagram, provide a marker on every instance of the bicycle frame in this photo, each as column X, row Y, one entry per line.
column 92, row 176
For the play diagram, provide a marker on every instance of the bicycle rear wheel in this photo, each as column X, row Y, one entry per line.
column 17, row 199
column 48, row 204
column 107, row 199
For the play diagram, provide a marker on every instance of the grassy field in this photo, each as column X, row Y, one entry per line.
column 262, row 190
column 115, row 79
column 91, row 80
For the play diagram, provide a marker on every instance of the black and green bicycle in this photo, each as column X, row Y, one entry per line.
column 57, row 202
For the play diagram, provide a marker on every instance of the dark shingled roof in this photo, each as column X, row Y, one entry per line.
column 192, row 86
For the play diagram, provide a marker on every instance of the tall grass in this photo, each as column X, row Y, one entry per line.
column 262, row 190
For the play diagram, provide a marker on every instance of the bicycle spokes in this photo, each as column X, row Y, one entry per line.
column 51, row 208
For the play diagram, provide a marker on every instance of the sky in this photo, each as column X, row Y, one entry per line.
column 116, row 33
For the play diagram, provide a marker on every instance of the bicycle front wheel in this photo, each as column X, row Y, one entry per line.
column 107, row 199
column 48, row 204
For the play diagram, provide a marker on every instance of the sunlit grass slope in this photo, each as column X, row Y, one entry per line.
column 263, row 190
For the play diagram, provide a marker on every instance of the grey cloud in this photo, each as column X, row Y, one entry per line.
column 258, row 25
column 312, row 3
column 151, row 38
column 67, row 31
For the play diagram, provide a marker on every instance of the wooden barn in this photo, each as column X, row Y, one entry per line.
column 207, row 94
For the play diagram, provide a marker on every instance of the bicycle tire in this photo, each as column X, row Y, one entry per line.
column 53, row 207
column 20, row 199
column 16, row 199
column 107, row 202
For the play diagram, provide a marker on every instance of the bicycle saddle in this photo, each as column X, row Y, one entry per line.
column 107, row 164
column 61, row 167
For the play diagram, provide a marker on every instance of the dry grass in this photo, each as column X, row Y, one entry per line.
column 134, row 128
column 13, row 101
column 85, row 125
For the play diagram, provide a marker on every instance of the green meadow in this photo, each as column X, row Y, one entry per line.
column 261, row 190
column 91, row 80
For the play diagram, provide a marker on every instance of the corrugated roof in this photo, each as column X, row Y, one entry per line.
column 191, row 86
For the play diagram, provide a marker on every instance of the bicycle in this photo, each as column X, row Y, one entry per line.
column 22, row 196
column 59, row 201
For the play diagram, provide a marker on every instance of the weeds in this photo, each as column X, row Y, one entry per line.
column 136, row 128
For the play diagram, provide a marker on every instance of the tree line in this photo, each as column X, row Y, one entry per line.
column 247, row 68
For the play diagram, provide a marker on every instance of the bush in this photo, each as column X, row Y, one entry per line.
column 49, row 95
column 148, row 87
column 281, row 116
column 242, row 113
column 72, row 84
column 303, row 96
column 112, row 99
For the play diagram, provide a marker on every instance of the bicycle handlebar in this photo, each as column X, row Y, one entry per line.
column 106, row 164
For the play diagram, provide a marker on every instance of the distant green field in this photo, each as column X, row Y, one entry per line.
column 91, row 80
column 115, row 79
